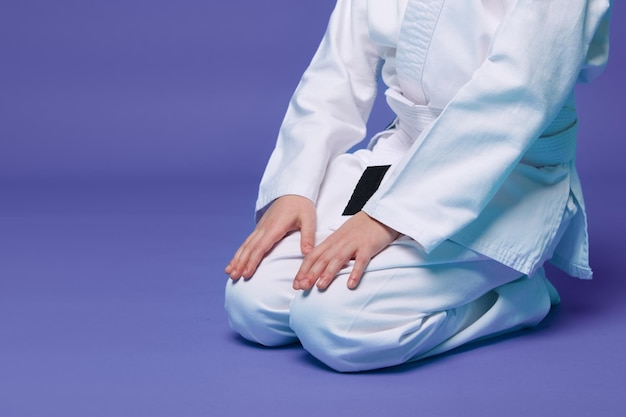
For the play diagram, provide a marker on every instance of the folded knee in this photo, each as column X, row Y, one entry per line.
column 256, row 315
column 352, row 341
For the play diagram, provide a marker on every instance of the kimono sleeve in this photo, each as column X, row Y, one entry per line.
column 535, row 58
column 329, row 109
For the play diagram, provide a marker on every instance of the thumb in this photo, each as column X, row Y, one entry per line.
column 307, row 233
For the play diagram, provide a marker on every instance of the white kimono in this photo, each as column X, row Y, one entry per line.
column 499, row 72
column 482, row 184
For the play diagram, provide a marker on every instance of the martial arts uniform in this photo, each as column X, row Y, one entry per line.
column 481, row 181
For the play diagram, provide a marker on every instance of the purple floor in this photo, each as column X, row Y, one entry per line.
column 132, row 133
column 111, row 305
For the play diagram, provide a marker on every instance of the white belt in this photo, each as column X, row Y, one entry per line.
column 412, row 118
column 556, row 146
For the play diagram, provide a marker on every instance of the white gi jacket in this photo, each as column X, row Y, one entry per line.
column 494, row 79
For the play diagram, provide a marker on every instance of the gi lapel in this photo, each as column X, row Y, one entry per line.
column 418, row 26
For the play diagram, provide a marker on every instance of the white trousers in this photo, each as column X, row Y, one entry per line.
column 409, row 304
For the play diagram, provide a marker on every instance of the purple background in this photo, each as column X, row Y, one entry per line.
column 132, row 136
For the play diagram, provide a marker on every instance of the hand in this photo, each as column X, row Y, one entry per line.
column 286, row 214
column 359, row 238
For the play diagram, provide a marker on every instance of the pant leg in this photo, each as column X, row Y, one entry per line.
column 405, row 312
column 258, row 308
column 409, row 304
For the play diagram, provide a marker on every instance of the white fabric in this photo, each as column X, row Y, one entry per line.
column 409, row 304
column 499, row 72
column 483, row 94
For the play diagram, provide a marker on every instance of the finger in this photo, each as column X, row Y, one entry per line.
column 234, row 267
column 311, row 268
column 237, row 264
column 360, row 263
column 242, row 256
column 307, row 279
column 329, row 275
column 256, row 256
column 256, row 250
column 252, row 236
column 307, row 234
